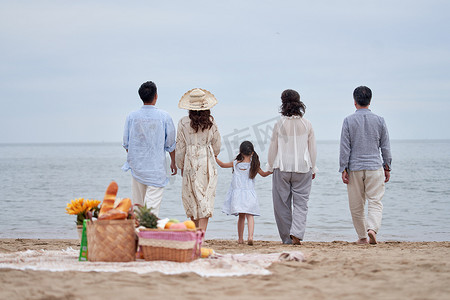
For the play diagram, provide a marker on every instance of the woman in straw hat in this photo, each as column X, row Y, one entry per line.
column 198, row 142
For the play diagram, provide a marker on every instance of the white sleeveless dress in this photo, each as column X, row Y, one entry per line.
column 241, row 197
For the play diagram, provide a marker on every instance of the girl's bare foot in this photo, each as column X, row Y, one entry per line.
column 372, row 237
column 362, row 241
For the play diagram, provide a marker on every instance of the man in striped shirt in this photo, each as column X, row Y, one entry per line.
column 364, row 135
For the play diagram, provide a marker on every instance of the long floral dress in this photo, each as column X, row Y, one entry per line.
column 194, row 154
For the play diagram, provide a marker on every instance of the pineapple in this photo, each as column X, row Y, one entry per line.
column 145, row 217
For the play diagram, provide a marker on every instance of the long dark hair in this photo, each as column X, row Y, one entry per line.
column 291, row 104
column 201, row 119
column 246, row 148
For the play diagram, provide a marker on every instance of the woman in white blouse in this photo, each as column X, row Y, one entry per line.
column 292, row 158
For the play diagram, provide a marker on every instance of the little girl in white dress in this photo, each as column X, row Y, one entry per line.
column 241, row 198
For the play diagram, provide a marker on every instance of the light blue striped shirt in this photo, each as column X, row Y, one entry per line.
column 364, row 134
column 149, row 133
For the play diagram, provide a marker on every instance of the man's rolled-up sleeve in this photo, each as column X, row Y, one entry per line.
column 126, row 134
column 385, row 146
column 344, row 153
column 170, row 142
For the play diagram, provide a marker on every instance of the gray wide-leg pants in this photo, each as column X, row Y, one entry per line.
column 290, row 193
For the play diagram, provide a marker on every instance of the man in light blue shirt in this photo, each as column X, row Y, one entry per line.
column 149, row 133
column 363, row 136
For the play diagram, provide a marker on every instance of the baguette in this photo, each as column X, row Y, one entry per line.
column 108, row 200
column 113, row 214
column 124, row 205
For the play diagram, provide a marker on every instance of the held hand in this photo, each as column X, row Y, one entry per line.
column 345, row 177
column 173, row 168
column 222, row 164
column 387, row 175
column 264, row 173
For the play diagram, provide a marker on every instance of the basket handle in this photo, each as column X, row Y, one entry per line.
column 199, row 235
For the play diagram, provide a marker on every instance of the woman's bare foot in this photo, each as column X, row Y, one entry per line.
column 240, row 241
column 362, row 241
column 372, row 237
column 250, row 242
column 295, row 240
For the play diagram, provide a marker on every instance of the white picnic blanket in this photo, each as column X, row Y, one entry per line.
column 220, row 265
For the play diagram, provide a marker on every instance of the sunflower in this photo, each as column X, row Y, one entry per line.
column 80, row 207
column 75, row 207
column 91, row 204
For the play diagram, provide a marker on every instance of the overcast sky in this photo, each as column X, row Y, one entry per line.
column 70, row 70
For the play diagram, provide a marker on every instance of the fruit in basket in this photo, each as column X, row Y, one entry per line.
column 189, row 224
column 178, row 226
column 174, row 221
column 110, row 197
column 145, row 217
column 168, row 224
column 206, row 252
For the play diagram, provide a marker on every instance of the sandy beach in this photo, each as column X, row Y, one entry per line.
column 336, row 270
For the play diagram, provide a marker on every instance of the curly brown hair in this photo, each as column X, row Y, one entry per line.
column 201, row 119
column 291, row 104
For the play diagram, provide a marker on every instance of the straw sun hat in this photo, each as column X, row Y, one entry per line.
column 197, row 99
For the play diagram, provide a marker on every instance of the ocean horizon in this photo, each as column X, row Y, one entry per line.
column 39, row 179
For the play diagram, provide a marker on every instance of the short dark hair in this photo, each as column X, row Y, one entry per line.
column 147, row 91
column 291, row 104
column 362, row 95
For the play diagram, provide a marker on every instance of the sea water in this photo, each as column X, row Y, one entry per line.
column 38, row 180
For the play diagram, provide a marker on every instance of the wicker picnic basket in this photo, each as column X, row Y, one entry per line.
column 111, row 240
column 172, row 245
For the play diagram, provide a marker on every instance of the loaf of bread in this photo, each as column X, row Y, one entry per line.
column 124, row 205
column 113, row 214
column 108, row 200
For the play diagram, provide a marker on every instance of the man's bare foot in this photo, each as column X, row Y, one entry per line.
column 362, row 241
column 372, row 237
column 295, row 240
column 250, row 242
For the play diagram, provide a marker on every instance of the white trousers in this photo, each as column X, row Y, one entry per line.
column 364, row 185
column 146, row 195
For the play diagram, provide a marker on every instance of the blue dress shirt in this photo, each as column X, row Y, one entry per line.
column 149, row 133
